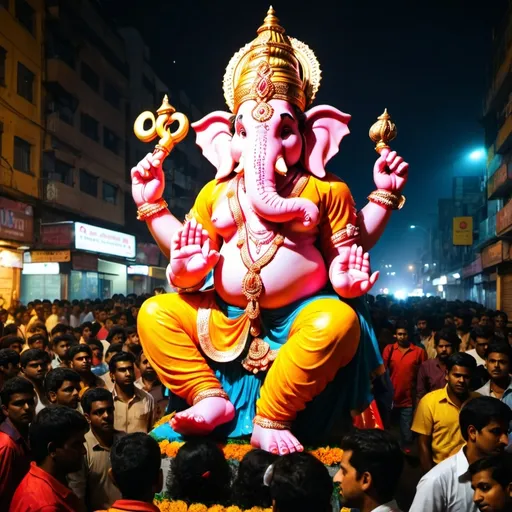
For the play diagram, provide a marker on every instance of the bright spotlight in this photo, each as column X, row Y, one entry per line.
column 456, row 275
column 412, row 226
column 477, row 154
column 400, row 295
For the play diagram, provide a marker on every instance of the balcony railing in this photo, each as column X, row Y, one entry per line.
column 504, row 219
column 487, row 230
column 504, row 138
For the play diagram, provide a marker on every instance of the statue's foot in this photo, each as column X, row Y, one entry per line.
column 275, row 441
column 202, row 418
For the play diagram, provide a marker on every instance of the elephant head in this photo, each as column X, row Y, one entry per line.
column 262, row 149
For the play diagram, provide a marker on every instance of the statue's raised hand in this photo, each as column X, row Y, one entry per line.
column 191, row 255
column 148, row 179
column 350, row 273
column 390, row 171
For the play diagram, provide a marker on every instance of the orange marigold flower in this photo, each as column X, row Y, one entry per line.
column 216, row 508
column 172, row 448
column 198, row 507
column 172, row 506
column 233, row 508
column 236, row 451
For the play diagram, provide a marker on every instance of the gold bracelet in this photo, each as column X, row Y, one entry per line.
column 387, row 199
column 148, row 210
column 209, row 393
column 274, row 425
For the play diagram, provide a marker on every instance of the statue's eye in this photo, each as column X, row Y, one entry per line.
column 286, row 132
column 242, row 133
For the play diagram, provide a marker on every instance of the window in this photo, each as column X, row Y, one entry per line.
column 3, row 56
column 88, row 183
column 90, row 77
column 111, row 140
column 25, row 15
column 112, row 95
column 109, row 193
column 58, row 48
column 25, row 83
column 63, row 172
column 22, row 150
column 89, row 126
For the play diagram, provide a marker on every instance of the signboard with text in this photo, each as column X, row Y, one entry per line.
column 104, row 241
column 49, row 256
column 16, row 221
column 463, row 231
column 57, row 235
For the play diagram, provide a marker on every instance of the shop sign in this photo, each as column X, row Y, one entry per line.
column 57, row 235
column 492, row 255
column 10, row 259
column 463, row 231
column 16, row 221
column 138, row 270
column 82, row 261
column 104, row 241
column 30, row 269
column 49, row 256
column 472, row 269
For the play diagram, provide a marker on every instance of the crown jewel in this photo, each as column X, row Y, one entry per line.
column 274, row 65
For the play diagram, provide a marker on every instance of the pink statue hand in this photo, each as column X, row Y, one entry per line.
column 390, row 171
column 191, row 256
column 148, row 179
column 350, row 273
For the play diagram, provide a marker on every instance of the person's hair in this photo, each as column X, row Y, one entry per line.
column 14, row 386
column 499, row 347
column 134, row 348
column 200, row 473
column 77, row 349
column 115, row 348
column 500, row 466
column 37, row 337
column 59, row 328
column 95, row 395
column 461, row 359
column 33, row 354
column 485, row 332
column 131, row 329
column 300, row 483
column 119, row 358
column 95, row 343
column 10, row 330
column 480, row 411
column 116, row 330
column 248, row 489
column 55, row 378
column 8, row 355
column 402, row 324
column 135, row 461
column 449, row 335
column 7, row 341
column 54, row 425
column 64, row 337
column 84, row 326
column 378, row 453
column 423, row 318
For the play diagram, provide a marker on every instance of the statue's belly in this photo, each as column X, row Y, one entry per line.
column 292, row 274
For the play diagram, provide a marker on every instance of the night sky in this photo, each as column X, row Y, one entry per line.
column 429, row 65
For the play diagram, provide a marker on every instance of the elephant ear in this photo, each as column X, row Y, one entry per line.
column 324, row 128
column 214, row 138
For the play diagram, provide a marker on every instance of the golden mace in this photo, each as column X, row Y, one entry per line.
column 160, row 127
column 383, row 131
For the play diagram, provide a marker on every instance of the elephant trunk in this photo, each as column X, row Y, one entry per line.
column 259, row 172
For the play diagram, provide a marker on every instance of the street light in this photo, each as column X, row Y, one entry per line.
column 477, row 154
column 411, row 267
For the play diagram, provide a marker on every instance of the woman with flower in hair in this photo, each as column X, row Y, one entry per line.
column 200, row 474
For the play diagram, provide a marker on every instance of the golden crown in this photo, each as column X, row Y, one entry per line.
column 274, row 65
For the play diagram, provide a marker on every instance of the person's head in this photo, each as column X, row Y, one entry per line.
column 132, row 336
column 97, row 351
column 59, row 330
column 159, row 290
column 62, row 387
column 134, row 310
column 100, row 314
column 200, row 473
column 37, row 328
column 34, row 365
column 109, row 323
column 86, row 330
column 122, row 369
column 446, row 343
column 460, row 367
column 13, row 342
column 484, row 423
column 462, row 319
column 122, row 320
column 117, row 335
column 299, row 482
column 57, row 436
column 482, row 336
column 491, row 480
column 146, row 370
column 62, row 344
column 135, row 467
column 39, row 310
column 18, row 402
column 37, row 341
column 9, row 363
column 484, row 319
column 423, row 324
column 98, row 407
column 498, row 357
column 248, row 489
column 500, row 320
column 402, row 333
column 80, row 358
column 371, row 465
column 10, row 330
column 115, row 348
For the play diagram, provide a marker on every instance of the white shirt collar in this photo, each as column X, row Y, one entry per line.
column 461, row 463
column 390, row 506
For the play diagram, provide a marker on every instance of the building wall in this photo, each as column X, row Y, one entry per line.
column 20, row 117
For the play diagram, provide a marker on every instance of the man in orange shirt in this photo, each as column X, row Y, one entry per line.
column 403, row 360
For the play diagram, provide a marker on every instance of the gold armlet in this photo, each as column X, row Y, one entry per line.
column 387, row 200
column 209, row 393
column 275, row 425
column 148, row 210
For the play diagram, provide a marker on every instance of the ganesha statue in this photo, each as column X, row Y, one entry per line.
column 268, row 334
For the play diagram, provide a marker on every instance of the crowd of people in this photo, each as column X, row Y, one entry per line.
column 79, row 397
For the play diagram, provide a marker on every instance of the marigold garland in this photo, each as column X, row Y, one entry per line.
column 181, row 506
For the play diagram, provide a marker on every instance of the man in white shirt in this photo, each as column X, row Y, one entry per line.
column 447, row 487
column 370, row 469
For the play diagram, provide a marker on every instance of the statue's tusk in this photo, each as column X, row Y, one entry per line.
column 281, row 166
column 240, row 167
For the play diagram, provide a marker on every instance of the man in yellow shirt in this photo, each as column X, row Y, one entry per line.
column 437, row 417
